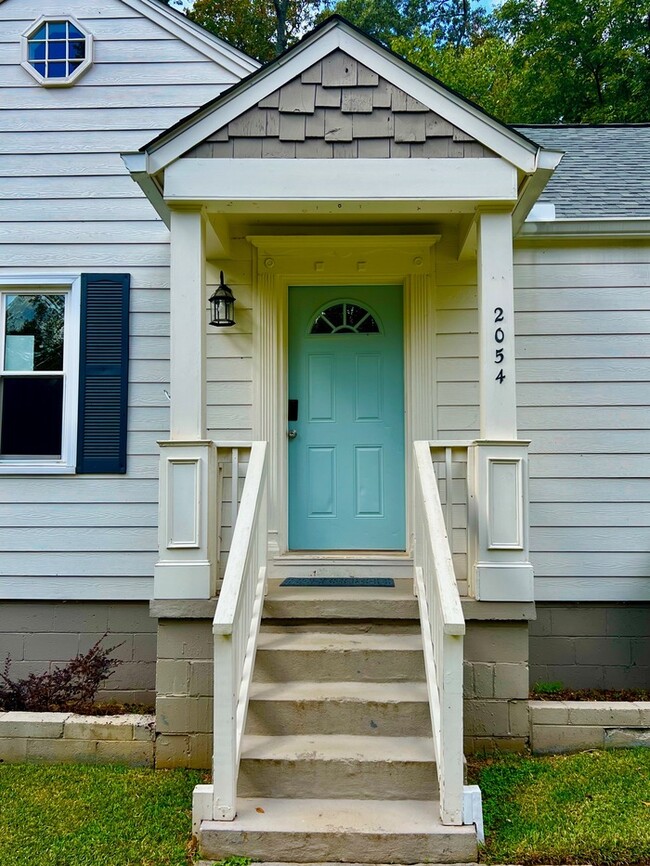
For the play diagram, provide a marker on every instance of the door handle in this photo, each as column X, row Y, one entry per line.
column 292, row 434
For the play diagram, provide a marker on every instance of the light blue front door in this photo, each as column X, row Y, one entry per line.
column 346, row 387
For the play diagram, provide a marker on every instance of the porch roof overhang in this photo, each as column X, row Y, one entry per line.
column 512, row 182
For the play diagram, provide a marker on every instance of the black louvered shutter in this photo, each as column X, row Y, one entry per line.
column 103, row 373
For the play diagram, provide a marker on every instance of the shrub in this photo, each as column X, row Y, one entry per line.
column 71, row 688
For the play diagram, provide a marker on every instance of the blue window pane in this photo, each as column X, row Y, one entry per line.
column 57, row 69
column 76, row 50
column 74, row 64
column 56, row 30
column 40, row 68
column 73, row 32
column 56, row 50
column 37, row 50
column 40, row 33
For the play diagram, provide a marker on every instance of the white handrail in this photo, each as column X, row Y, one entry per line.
column 236, row 627
column 443, row 627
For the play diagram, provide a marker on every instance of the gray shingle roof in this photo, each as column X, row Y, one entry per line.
column 605, row 171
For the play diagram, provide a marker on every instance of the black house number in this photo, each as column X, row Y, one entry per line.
column 499, row 337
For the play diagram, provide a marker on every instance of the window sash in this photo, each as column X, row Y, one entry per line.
column 69, row 286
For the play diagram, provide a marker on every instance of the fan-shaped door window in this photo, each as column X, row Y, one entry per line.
column 345, row 317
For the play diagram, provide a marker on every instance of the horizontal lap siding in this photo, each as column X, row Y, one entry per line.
column 456, row 344
column 230, row 351
column 67, row 204
column 583, row 369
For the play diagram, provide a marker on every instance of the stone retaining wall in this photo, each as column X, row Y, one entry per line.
column 571, row 726
column 66, row 738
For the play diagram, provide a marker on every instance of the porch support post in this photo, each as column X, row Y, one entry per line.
column 498, row 462
column 187, row 325
column 187, row 520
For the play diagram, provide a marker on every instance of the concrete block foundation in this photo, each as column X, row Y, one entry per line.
column 41, row 635
column 591, row 645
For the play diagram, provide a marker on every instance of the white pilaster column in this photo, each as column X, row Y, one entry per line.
column 187, row 325
column 496, row 327
column 499, row 567
column 187, row 517
column 270, row 392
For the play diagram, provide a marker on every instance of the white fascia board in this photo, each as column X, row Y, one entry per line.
column 136, row 164
column 203, row 180
column 227, row 56
column 203, row 125
column 471, row 120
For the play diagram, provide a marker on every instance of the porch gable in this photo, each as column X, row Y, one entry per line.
column 339, row 108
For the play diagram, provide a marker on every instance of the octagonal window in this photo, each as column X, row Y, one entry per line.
column 56, row 51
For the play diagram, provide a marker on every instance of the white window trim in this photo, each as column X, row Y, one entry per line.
column 28, row 66
column 70, row 284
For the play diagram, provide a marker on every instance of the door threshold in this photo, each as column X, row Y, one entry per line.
column 343, row 555
column 342, row 563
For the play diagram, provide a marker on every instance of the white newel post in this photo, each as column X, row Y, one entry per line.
column 187, row 522
column 498, row 462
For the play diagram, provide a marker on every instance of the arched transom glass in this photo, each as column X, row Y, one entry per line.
column 345, row 317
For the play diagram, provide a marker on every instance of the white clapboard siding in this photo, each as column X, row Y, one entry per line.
column 583, row 329
column 87, row 489
column 126, row 514
column 589, row 490
column 112, row 96
column 587, row 514
column 74, row 210
column 456, row 345
column 68, row 204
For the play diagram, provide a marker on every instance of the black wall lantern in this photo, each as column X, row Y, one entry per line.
column 222, row 306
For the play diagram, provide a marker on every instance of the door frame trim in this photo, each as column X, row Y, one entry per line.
column 284, row 260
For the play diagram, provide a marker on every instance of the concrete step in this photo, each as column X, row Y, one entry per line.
column 338, row 765
column 393, row 709
column 341, row 603
column 321, row 656
column 347, row 831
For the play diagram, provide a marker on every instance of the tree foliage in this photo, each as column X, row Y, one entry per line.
column 550, row 61
column 261, row 28
column 579, row 60
column 529, row 61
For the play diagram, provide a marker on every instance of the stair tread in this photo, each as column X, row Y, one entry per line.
column 342, row 641
column 360, row 692
column 333, row 747
column 403, row 817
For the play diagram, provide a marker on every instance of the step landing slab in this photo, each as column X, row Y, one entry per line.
column 341, row 831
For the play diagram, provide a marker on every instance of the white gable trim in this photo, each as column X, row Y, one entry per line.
column 227, row 56
column 471, row 120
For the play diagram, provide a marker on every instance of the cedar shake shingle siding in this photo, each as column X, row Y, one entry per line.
column 339, row 109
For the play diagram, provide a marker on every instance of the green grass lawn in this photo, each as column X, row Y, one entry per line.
column 593, row 807
column 69, row 815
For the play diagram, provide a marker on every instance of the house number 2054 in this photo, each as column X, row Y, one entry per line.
column 499, row 337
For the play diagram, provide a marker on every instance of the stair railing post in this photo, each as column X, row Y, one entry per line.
column 225, row 758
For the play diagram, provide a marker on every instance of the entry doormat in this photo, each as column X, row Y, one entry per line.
column 338, row 581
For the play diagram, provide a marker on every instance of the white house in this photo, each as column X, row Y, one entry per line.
column 433, row 378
